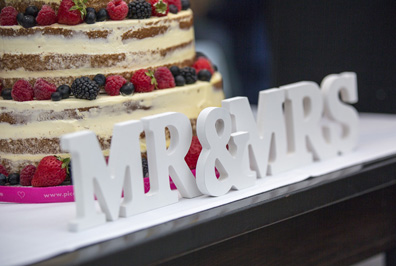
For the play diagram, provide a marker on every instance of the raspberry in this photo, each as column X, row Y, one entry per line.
column 3, row 170
column 22, row 91
column 203, row 63
column 143, row 80
column 43, row 89
column 117, row 9
column 114, row 84
column 159, row 8
column 46, row 16
column 8, row 16
column 67, row 16
column 177, row 3
column 193, row 153
column 26, row 175
column 164, row 78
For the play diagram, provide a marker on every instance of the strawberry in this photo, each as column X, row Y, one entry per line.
column 22, row 91
column 203, row 63
column 8, row 16
column 72, row 12
column 159, row 8
column 50, row 171
column 26, row 175
column 117, row 9
column 46, row 16
column 3, row 170
column 177, row 3
column 164, row 78
column 114, row 84
column 193, row 153
column 144, row 81
column 43, row 89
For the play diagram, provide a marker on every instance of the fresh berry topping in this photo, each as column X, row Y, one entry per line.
column 139, row 9
column 43, row 89
column 173, row 9
column 90, row 18
column 127, row 88
column 3, row 170
column 100, row 79
column 90, row 9
column 215, row 68
column 46, row 16
column 8, row 16
column 114, row 84
column 56, row 96
column 31, row 11
column 64, row 90
column 13, row 179
column 189, row 74
column 175, row 70
column 6, row 94
column 145, row 167
column 84, row 88
column 117, row 9
column 102, row 15
column 193, row 153
column 176, row 3
column 203, row 63
column 180, row 81
column 185, row 4
column 3, row 180
column 50, row 172
column 164, row 78
column 26, row 21
column 71, row 12
column 27, row 175
column 143, row 80
column 159, row 8
column 204, row 75
column 199, row 54
column 19, row 18
column 22, row 91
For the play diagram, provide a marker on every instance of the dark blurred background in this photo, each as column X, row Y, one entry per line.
column 276, row 42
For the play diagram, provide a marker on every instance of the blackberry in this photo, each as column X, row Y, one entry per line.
column 6, row 94
column 189, row 74
column 102, row 15
column 139, row 9
column 175, row 70
column 173, row 9
column 90, row 18
column 56, row 96
column 127, row 89
column 145, row 167
column 31, row 11
column 204, row 75
column 84, row 88
column 13, row 179
column 64, row 90
column 100, row 79
column 185, row 4
column 180, row 81
column 3, row 180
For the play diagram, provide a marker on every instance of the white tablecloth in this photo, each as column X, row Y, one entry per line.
column 33, row 232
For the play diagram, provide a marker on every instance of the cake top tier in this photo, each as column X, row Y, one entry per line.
column 21, row 5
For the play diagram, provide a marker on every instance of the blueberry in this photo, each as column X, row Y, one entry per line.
column 102, row 15
column 185, row 4
column 6, row 94
column 200, row 54
column 13, row 179
column 145, row 167
column 127, row 89
column 100, row 79
column 56, row 96
column 64, row 90
column 90, row 9
column 204, row 75
column 175, row 70
column 90, row 18
column 31, row 11
column 173, row 9
column 27, row 21
column 20, row 18
column 215, row 68
column 180, row 81
column 3, row 180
